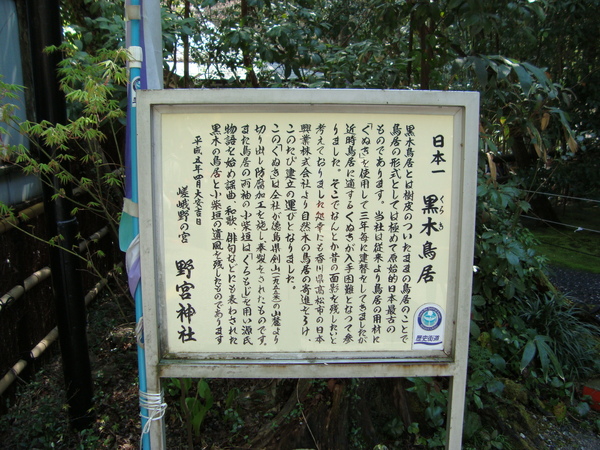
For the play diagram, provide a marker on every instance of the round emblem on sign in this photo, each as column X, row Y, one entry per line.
column 430, row 318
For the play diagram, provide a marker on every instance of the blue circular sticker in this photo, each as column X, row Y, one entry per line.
column 430, row 318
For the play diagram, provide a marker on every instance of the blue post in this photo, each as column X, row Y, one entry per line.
column 134, row 82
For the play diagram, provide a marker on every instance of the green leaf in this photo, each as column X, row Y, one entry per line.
column 523, row 205
column 435, row 414
column 498, row 361
column 503, row 71
column 472, row 424
column 499, row 333
column 528, row 354
column 537, row 8
column 524, row 78
column 540, row 74
column 478, row 300
column 547, row 355
column 495, row 387
column 205, row 392
column 478, row 401
column 413, row 428
column 512, row 258
column 475, row 331
column 544, row 353
column 481, row 71
column 489, row 234
column 509, row 290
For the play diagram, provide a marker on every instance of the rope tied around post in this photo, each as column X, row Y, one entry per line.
column 155, row 406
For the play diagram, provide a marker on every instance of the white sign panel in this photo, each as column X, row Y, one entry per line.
column 304, row 231
column 323, row 229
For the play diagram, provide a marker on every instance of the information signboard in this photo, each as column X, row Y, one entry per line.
column 307, row 232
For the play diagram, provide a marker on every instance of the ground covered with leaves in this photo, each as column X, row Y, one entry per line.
column 273, row 414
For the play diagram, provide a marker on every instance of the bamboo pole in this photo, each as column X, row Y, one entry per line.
column 48, row 340
column 16, row 292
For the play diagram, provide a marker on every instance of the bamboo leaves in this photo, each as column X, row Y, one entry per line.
column 540, row 345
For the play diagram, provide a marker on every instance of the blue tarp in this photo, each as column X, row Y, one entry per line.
column 15, row 187
column 10, row 62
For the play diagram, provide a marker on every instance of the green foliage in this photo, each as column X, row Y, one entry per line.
column 83, row 155
column 266, row 41
column 93, row 25
column 362, row 65
column 520, row 329
column 8, row 92
column 582, row 409
column 195, row 401
column 577, row 174
column 489, row 439
column 76, row 151
column 505, row 263
column 231, row 413
column 435, row 399
column 538, row 345
column 485, row 370
column 523, row 112
column 574, row 342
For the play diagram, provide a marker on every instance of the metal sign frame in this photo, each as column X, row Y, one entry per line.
column 451, row 361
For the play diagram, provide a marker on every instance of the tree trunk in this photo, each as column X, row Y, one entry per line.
column 426, row 56
column 308, row 420
column 523, row 155
column 186, row 48
column 411, row 32
column 247, row 59
column 337, row 414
